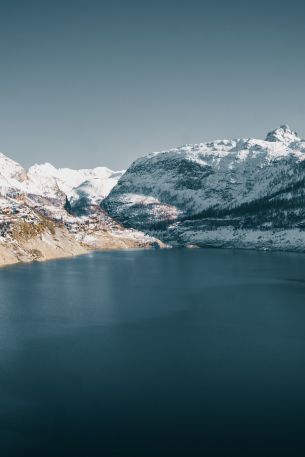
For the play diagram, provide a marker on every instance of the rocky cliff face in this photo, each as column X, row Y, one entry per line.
column 232, row 193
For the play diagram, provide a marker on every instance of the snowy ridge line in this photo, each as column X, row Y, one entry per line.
column 224, row 187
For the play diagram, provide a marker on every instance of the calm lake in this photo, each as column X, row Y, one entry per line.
column 154, row 353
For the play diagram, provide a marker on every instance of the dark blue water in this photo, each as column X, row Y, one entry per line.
column 154, row 353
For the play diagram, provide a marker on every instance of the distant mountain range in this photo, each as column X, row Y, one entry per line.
column 48, row 213
column 243, row 193
column 52, row 183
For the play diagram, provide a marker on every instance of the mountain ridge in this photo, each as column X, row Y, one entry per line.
column 47, row 213
column 241, row 193
column 190, row 194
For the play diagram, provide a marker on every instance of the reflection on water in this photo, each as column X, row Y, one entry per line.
column 145, row 353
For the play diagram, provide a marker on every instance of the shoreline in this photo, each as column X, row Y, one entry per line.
column 151, row 247
column 60, row 244
column 88, row 252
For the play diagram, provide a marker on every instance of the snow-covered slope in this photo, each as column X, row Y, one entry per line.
column 48, row 212
column 86, row 185
column 242, row 184
column 240, row 193
column 98, row 181
column 12, row 175
column 82, row 188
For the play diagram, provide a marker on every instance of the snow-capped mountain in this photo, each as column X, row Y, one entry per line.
column 97, row 181
column 82, row 188
column 234, row 193
column 49, row 212
column 89, row 186
column 242, row 192
column 12, row 175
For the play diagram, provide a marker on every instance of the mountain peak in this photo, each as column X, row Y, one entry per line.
column 283, row 134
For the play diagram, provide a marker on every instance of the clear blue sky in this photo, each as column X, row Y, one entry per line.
column 87, row 83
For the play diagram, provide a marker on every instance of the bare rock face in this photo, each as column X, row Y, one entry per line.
column 241, row 193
